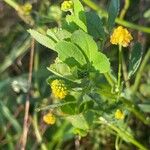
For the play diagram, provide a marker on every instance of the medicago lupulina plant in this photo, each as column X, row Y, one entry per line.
column 85, row 88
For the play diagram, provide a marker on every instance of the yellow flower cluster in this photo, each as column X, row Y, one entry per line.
column 121, row 36
column 27, row 7
column 59, row 89
column 67, row 5
column 119, row 114
column 49, row 118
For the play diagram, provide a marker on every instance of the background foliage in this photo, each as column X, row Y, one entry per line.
column 16, row 45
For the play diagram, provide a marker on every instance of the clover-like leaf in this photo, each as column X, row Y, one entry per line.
column 99, row 61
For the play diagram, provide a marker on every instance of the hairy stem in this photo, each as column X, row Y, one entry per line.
column 119, row 67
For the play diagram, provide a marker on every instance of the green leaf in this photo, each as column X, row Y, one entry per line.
column 145, row 107
column 85, row 42
column 78, row 121
column 42, row 39
column 77, row 21
column 80, row 132
column 62, row 70
column 113, row 11
column 51, row 33
column 70, row 108
column 69, row 51
column 135, row 59
column 58, row 34
column 6, row 112
column 19, row 49
column 95, row 25
column 63, row 34
column 82, row 121
column 78, row 17
column 145, row 89
column 99, row 61
column 79, row 11
column 147, row 14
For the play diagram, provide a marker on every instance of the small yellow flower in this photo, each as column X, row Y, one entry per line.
column 27, row 8
column 59, row 89
column 119, row 114
column 67, row 5
column 121, row 36
column 49, row 118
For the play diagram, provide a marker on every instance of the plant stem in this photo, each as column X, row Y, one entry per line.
column 127, row 136
column 125, row 8
column 123, row 134
column 139, row 73
column 125, row 73
column 124, row 67
column 58, row 136
column 120, row 21
column 26, row 18
column 37, row 132
column 117, row 143
column 109, row 79
column 52, row 106
column 132, row 25
column 12, row 4
column 132, row 108
column 27, row 104
column 119, row 67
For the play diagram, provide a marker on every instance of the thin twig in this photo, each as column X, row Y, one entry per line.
column 27, row 104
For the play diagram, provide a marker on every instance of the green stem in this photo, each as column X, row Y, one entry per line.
column 120, row 21
column 52, row 106
column 125, row 8
column 140, row 71
column 123, row 134
column 125, row 73
column 36, row 67
column 117, row 143
column 58, row 136
column 132, row 108
column 119, row 67
column 124, row 67
column 109, row 79
column 26, row 18
column 127, row 136
column 132, row 25
column 12, row 4
column 96, row 7
column 37, row 132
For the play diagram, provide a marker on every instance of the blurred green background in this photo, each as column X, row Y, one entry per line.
column 15, row 46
